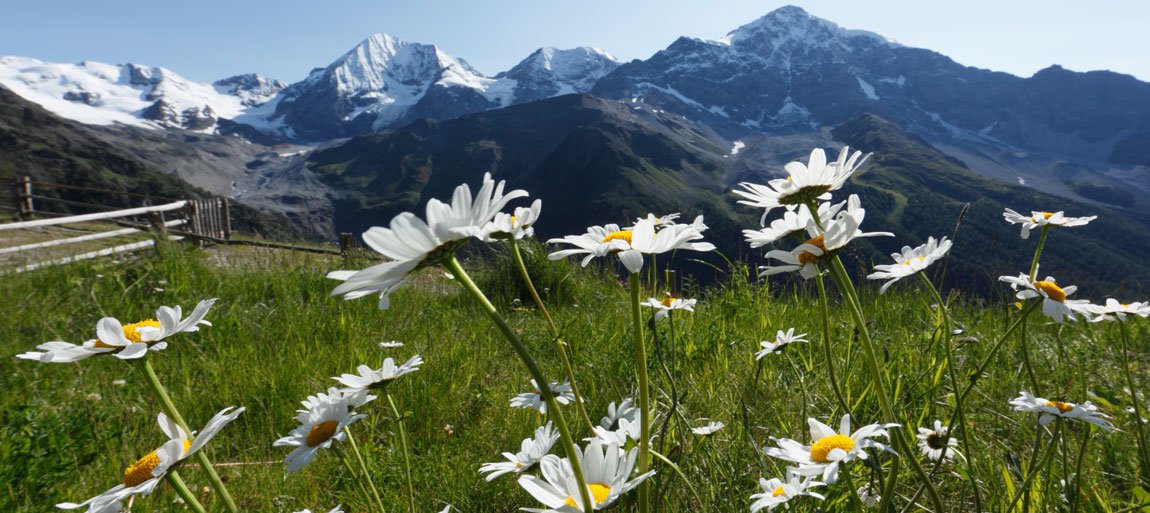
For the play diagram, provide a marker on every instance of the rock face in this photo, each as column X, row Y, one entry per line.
column 251, row 88
column 550, row 72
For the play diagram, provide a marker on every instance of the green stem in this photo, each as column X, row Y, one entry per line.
column 644, row 400
column 1144, row 451
column 406, row 452
column 343, row 458
column 183, row 491
column 843, row 280
column 1034, row 469
column 1025, row 349
column 554, row 334
column 568, row 442
column 681, row 475
column 829, row 355
column 1037, row 253
column 363, row 468
column 170, row 408
column 1082, row 449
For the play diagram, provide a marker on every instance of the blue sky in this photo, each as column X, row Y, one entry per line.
column 211, row 39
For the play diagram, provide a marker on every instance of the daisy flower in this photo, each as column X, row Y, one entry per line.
column 777, row 492
column 625, row 410
column 631, row 244
column 517, row 225
column 910, row 261
column 411, row 243
column 804, row 183
column 1054, row 302
column 530, row 452
column 1043, row 219
column 839, row 232
column 390, row 344
column 626, row 429
column 1113, row 310
column 321, row 423
column 869, row 495
column 125, row 341
column 782, row 340
column 142, row 477
column 829, row 449
column 669, row 303
column 660, row 221
column 937, row 444
column 337, row 509
column 370, row 379
column 709, row 428
column 534, row 400
column 1050, row 410
column 606, row 468
column 796, row 221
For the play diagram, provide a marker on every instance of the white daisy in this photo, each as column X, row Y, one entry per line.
column 606, row 468
column 839, row 232
column 125, row 341
column 806, row 182
column 321, row 423
column 142, row 477
column 412, row 243
column 517, row 225
column 910, row 261
column 1113, row 310
column 1042, row 219
column 829, row 449
column 667, row 304
column 632, row 244
column 777, row 492
column 530, row 452
column 659, row 221
column 1054, row 302
column 626, row 429
column 794, row 221
column 370, row 379
column 390, row 344
column 534, row 400
column 869, row 495
column 337, row 509
column 782, row 340
column 625, row 410
column 709, row 428
column 937, row 443
column 1050, row 410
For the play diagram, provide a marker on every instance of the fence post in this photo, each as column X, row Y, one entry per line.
column 227, row 220
column 191, row 214
column 24, row 197
column 159, row 232
column 345, row 248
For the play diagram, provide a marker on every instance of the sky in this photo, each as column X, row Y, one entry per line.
column 211, row 39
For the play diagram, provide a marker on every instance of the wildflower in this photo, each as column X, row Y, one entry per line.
column 937, row 444
column 530, row 452
column 370, row 379
column 839, row 231
column 777, row 492
column 125, row 342
column 910, row 261
column 869, row 495
column 829, row 449
column 534, row 400
column 709, row 428
column 626, row 429
column 321, row 423
column 625, row 410
column 1043, row 219
column 1113, row 310
column 805, row 183
column 796, row 221
column 782, row 340
column 668, row 304
column 517, row 225
column 337, row 509
column 142, row 477
column 1054, row 302
column 632, row 244
column 391, row 344
column 660, row 221
column 1050, row 410
column 413, row 243
column 606, row 468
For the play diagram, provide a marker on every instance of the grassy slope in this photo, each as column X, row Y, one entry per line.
column 277, row 337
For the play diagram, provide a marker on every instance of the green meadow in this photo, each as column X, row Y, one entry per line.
column 69, row 430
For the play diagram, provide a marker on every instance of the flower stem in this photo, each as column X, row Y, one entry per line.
column 1038, row 253
column 367, row 495
column 644, row 399
column 183, row 491
column 568, row 442
column 406, row 452
column 1140, row 432
column 839, row 273
column 1024, row 489
column 170, row 408
column 830, row 361
column 554, row 334
column 363, row 468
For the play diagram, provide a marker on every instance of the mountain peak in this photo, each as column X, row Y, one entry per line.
column 794, row 23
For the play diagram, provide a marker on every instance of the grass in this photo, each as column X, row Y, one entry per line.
column 69, row 430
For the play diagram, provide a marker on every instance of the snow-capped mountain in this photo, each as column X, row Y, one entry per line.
column 130, row 94
column 251, row 88
column 549, row 72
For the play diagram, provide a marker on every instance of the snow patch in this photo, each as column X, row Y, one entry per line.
column 867, row 89
column 900, row 81
column 736, row 147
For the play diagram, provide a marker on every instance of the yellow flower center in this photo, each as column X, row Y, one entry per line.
column 936, row 440
column 131, row 332
column 623, row 235
column 668, row 300
column 1052, row 291
column 1045, row 215
column 909, row 260
column 810, row 258
column 599, row 492
column 778, row 491
column 141, row 470
column 1062, row 407
column 321, row 433
column 823, row 446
